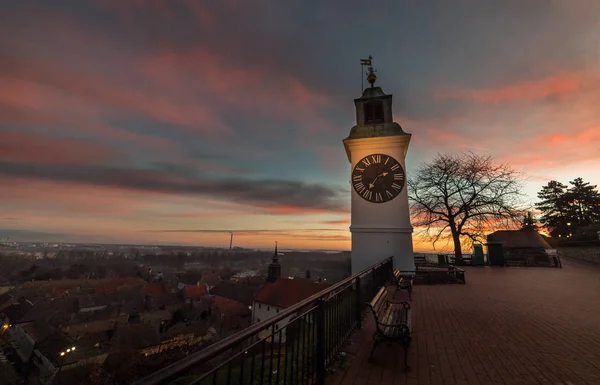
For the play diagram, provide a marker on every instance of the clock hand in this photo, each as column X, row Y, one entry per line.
column 372, row 184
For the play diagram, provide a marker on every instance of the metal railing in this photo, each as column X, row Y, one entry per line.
column 296, row 346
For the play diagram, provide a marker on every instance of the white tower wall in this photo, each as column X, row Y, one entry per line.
column 380, row 230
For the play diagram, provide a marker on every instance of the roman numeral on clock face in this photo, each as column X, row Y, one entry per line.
column 376, row 158
column 357, row 178
column 396, row 186
column 395, row 167
column 378, row 197
column 367, row 194
column 389, row 194
column 360, row 187
column 398, row 177
column 366, row 162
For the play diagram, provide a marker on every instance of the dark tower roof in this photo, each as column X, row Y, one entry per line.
column 374, row 115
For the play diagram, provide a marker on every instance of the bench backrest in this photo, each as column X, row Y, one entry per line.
column 399, row 276
column 379, row 302
column 380, row 308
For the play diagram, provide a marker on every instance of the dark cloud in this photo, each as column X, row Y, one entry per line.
column 267, row 193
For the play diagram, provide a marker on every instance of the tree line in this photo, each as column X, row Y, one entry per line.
column 460, row 198
column 570, row 211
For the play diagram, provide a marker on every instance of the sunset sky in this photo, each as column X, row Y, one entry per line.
column 169, row 121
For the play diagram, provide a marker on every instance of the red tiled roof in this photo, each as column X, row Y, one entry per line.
column 230, row 306
column 287, row 292
column 194, row 291
column 154, row 289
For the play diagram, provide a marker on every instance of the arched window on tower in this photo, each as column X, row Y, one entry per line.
column 373, row 112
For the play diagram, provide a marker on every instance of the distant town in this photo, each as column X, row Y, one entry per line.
column 122, row 311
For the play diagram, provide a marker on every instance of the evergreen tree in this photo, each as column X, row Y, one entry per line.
column 554, row 207
column 566, row 210
column 584, row 204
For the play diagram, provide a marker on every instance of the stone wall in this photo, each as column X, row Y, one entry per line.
column 589, row 253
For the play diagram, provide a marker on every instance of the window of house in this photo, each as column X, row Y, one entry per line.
column 276, row 327
column 373, row 112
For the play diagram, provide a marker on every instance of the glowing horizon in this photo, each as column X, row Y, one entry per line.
column 123, row 121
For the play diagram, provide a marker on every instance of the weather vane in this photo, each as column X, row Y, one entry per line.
column 371, row 77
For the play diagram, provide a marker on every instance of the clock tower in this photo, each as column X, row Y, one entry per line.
column 376, row 149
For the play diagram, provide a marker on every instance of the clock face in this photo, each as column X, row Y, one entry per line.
column 378, row 178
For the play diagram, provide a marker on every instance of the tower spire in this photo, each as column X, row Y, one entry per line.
column 274, row 267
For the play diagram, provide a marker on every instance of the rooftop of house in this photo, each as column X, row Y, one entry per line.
column 48, row 340
column 230, row 306
column 194, row 291
column 154, row 289
column 519, row 239
column 287, row 292
column 242, row 292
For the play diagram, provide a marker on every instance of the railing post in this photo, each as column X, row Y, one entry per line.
column 358, row 304
column 320, row 370
column 375, row 280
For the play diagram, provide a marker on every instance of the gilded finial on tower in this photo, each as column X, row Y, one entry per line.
column 371, row 77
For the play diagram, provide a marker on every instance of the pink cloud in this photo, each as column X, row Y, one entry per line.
column 34, row 148
column 35, row 197
column 559, row 84
column 258, row 89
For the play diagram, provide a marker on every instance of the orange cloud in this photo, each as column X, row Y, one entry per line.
column 559, row 84
column 338, row 222
column 557, row 150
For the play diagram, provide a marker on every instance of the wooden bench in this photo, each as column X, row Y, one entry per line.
column 420, row 260
column 403, row 282
column 392, row 320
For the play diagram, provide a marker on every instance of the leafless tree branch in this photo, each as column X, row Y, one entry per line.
column 464, row 197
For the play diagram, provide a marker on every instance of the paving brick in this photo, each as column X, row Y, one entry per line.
column 505, row 326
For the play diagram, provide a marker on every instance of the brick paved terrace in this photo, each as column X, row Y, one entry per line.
column 505, row 326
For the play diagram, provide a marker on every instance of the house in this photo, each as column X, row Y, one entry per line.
column 280, row 293
column 524, row 246
column 43, row 346
column 240, row 292
column 193, row 293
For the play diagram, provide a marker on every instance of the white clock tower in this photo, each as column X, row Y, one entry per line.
column 376, row 149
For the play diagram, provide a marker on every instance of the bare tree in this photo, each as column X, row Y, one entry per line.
column 463, row 197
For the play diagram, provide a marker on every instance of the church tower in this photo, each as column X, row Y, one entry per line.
column 274, row 267
column 376, row 149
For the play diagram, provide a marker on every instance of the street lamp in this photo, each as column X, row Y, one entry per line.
column 64, row 354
